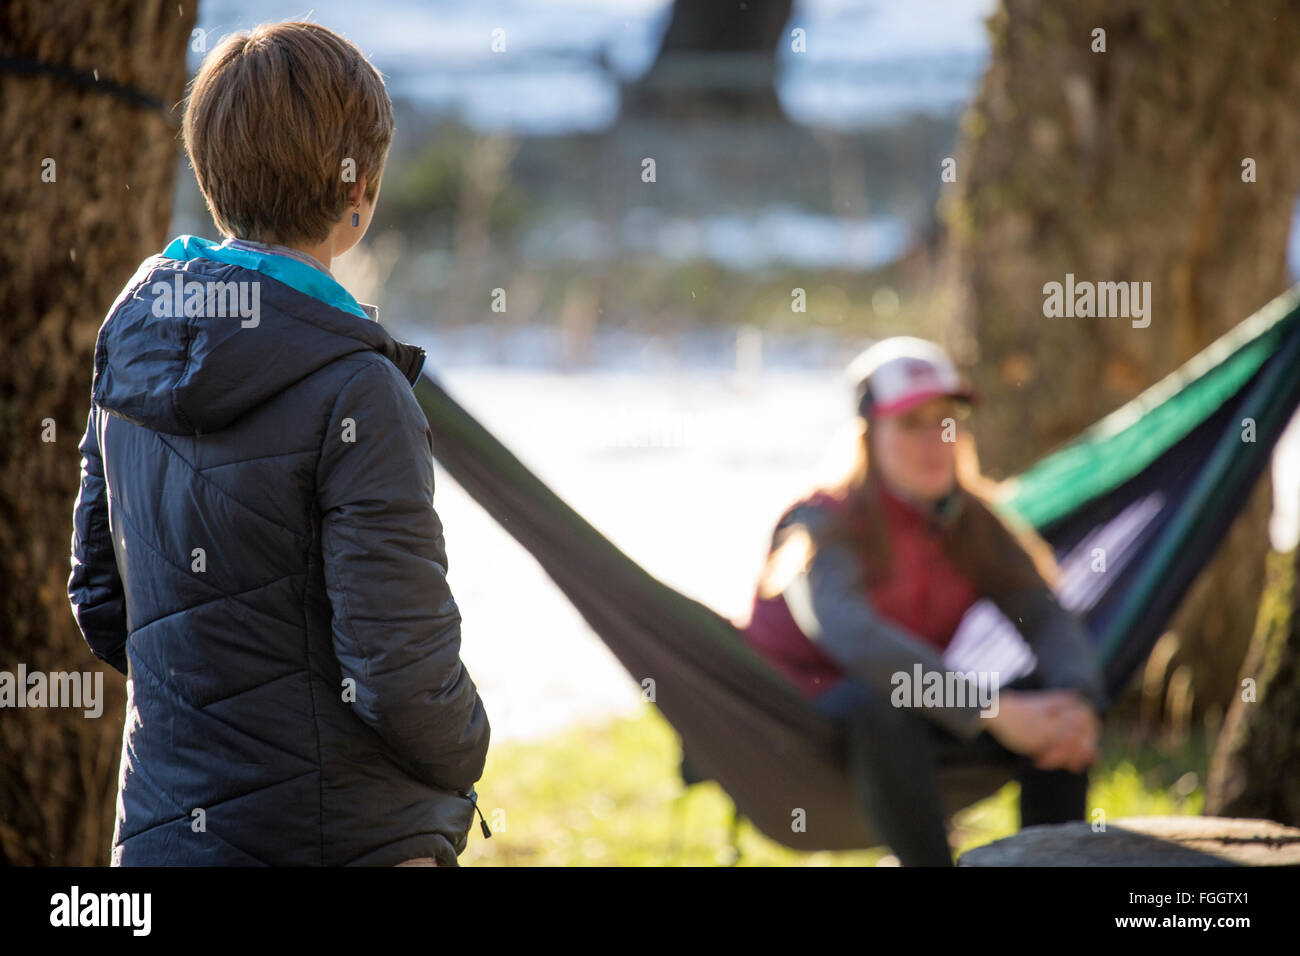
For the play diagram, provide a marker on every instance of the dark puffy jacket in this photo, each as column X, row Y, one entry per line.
column 256, row 548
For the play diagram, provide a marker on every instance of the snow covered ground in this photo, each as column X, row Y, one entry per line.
column 684, row 463
column 562, row 61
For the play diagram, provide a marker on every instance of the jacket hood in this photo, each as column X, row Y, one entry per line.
column 204, row 333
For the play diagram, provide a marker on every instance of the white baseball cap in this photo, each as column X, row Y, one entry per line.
column 899, row 373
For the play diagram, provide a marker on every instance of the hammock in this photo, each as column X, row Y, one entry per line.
column 1156, row 484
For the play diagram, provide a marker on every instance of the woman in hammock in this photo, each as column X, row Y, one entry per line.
column 869, row 578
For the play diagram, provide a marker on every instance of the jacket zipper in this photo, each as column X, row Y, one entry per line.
column 482, row 822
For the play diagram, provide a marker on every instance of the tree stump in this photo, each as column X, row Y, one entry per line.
column 1146, row 841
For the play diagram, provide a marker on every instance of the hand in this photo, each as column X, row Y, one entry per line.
column 1030, row 721
column 1078, row 746
column 1043, row 725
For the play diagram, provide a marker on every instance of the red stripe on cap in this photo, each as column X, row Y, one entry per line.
column 900, row 405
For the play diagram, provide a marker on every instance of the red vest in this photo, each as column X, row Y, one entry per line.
column 921, row 592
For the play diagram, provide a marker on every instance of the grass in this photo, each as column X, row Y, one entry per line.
column 609, row 795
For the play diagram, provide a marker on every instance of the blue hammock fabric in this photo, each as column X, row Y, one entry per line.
column 1156, row 485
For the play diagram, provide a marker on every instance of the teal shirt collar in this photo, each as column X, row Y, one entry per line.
column 293, row 273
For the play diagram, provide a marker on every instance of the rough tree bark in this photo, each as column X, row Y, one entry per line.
column 1125, row 165
column 70, row 245
column 1256, row 766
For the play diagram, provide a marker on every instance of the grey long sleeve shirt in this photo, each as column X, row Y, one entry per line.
column 828, row 603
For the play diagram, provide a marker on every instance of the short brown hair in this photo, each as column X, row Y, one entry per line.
column 271, row 119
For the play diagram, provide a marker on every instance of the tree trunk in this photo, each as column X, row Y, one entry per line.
column 70, row 246
column 717, row 60
column 1124, row 166
column 1256, row 766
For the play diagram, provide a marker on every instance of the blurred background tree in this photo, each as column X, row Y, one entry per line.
column 1119, row 156
column 90, row 87
column 1255, row 770
column 717, row 60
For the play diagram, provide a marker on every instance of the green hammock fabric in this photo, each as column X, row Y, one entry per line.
column 1127, row 440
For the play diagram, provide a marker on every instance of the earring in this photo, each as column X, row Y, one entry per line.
column 356, row 217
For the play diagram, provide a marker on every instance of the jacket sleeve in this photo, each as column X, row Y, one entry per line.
column 95, row 587
column 834, row 612
column 1060, row 642
column 396, row 626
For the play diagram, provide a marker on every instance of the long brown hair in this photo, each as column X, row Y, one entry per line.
column 998, row 553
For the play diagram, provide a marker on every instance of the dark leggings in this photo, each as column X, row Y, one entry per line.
column 894, row 757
